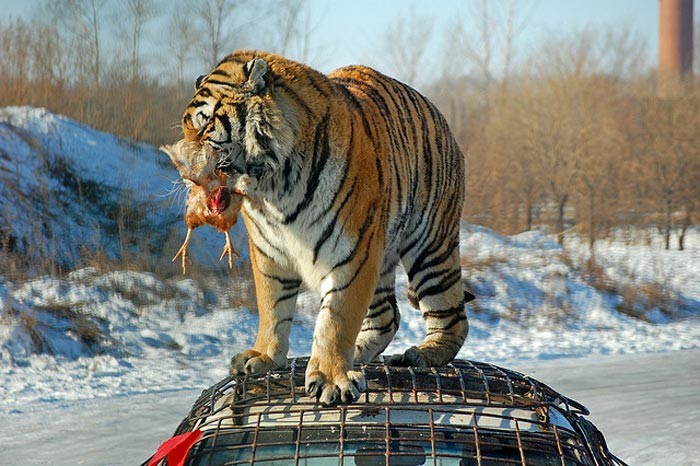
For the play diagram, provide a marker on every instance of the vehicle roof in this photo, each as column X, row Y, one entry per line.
column 475, row 410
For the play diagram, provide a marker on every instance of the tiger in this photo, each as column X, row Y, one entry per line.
column 354, row 172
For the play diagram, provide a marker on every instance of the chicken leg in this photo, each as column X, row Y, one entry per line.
column 183, row 250
column 228, row 249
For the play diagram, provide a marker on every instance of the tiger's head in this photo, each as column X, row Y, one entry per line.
column 236, row 115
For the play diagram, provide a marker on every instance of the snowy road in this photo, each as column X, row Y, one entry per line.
column 648, row 407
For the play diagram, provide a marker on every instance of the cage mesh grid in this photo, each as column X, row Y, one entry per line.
column 466, row 413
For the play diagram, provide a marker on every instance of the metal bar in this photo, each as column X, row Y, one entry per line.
column 561, row 451
column 364, row 376
column 520, row 443
column 414, row 387
column 244, row 390
column 292, row 373
column 484, row 380
column 341, row 439
column 387, row 435
column 475, row 428
column 433, row 450
column 254, row 446
column 462, row 388
column 297, row 443
column 267, row 387
column 213, row 443
column 511, row 392
column 501, row 406
column 389, row 388
column 438, row 385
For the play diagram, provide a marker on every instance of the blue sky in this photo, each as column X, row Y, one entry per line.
column 352, row 29
column 348, row 32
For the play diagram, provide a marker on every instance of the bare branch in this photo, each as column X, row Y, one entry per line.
column 404, row 45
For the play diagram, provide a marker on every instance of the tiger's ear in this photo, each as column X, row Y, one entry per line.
column 198, row 82
column 256, row 69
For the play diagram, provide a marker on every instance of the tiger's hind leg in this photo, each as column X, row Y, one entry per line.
column 435, row 278
column 382, row 319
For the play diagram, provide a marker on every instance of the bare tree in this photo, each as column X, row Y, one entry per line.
column 476, row 49
column 180, row 40
column 15, row 39
column 85, row 15
column 490, row 50
column 570, row 56
column 404, row 45
column 289, row 34
column 614, row 52
column 624, row 53
column 48, row 57
column 139, row 13
column 601, row 155
column 80, row 22
column 668, row 142
column 551, row 130
column 215, row 28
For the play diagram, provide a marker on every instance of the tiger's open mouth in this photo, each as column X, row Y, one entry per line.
column 219, row 200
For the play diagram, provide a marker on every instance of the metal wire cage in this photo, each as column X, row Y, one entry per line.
column 466, row 413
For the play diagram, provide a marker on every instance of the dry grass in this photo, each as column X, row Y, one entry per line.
column 637, row 299
column 640, row 299
column 468, row 264
column 594, row 274
column 32, row 326
column 86, row 328
column 234, row 289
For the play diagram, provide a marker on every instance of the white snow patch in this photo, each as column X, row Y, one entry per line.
column 163, row 334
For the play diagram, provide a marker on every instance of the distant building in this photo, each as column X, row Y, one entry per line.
column 675, row 46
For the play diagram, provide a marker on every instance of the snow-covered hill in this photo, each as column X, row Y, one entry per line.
column 66, row 188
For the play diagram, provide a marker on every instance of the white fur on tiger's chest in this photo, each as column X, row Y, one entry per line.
column 292, row 246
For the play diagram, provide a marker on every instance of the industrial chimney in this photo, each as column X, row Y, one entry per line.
column 675, row 46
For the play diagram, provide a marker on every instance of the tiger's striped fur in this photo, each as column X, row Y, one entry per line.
column 355, row 172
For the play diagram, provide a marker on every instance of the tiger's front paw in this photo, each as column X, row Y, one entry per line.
column 342, row 387
column 251, row 362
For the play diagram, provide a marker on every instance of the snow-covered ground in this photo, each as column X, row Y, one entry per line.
column 647, row 405
column 94, row 335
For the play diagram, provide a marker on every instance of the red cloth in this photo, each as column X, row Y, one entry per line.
column 175, row 449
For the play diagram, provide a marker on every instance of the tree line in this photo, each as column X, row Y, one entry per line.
column 567, row 134
column 129, row 67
